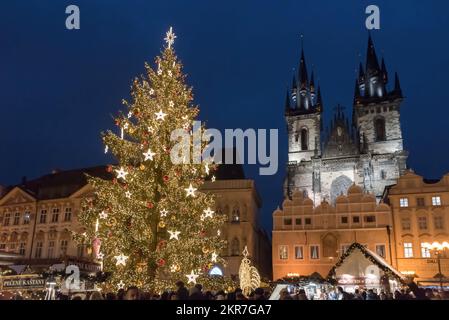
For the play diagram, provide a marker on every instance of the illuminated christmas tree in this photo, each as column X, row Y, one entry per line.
column 149, row 225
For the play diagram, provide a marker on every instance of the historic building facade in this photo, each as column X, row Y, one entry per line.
column 366, row 150
column 420, row 210
column 309, row 238
column 38, row 218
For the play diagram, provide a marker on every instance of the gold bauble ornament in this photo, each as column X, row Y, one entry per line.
column 142, row 167
column 205, row 250
column 131, row 130
column 161, row 224
column 89, row 250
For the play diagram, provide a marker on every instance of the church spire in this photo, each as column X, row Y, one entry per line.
column 372, row 64
column 356, row 91
column 287, row 102
column 302, row 72
column 397, row 85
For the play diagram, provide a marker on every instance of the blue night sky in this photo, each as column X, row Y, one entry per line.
column 59, row 88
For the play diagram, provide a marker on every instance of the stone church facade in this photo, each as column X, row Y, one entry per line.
column 366, row 150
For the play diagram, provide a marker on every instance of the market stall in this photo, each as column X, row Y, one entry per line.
column 359, row 267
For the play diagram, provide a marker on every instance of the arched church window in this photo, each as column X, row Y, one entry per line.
column 235, row 247
column 380, row 129
column 304, row 139
column 236, row 214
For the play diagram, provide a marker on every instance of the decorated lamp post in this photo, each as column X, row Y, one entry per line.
column 438, row 248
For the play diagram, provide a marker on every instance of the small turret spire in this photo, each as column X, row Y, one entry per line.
column 397, row 85
column 287, row 102
column 384, row 71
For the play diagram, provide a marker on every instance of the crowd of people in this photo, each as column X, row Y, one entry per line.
column 181, row 293
column 368, row 294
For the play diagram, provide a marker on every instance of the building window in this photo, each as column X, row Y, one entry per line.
column 422, row 223
column 51, row 249
column 68, row 214
column 16, row 218
column 304, row 139
column 344, row 248
column 299, row 253
column 425, row 252
column 235, row 247
column 283, row 252
column 26, row 217
column 344, row 220
column 6, row 219
column 383, row 175
column 2, row 246
column 436, row 201
column 308, row 221
column 55, row 216
column 380, row 250
column 80, row 251
column 408, row 250
column 356, row 219
column 38, row 252
column 288, row 221
column 380, row 129
column 370, row 219
column 64, row 245
column 314, row 252
column 22, row 248
column 403, row 202
column 236, row 214
column 438, row 222
column 406, row 225
column 420, row 202
column 43, row 217
column 298, row 221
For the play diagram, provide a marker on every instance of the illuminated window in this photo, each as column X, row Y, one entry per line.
column 26, row 217
column 299, row 253
column 403, row 202
column 436, row 201
column 314, row 252
column 422, row 223
column 22, row 248
column 370, row 219
column 235, row 247
column 288, row 221
column 408, row 250
column 425, row 253
column 380, row 250
column 64, row 245
column 283, row 252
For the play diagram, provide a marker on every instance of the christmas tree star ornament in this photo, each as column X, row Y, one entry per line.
column 173, row 268
column 121, row 259
column 103, row 215
column 192, row 277
column 128, row 194
column 208, row 213
column 130, row 114
column 149, row 155
column 151, row 91
column 170, row 37
column 164, row 213
column 160, row 115
column 213, row 179
column 174, row 234
column 190, row 191
column 169, row 73
column 214, row 257
column 218, row 233
column 171, row 104
column 202, row 217
column 121, row 173
column 121, row 285
column 100, row 256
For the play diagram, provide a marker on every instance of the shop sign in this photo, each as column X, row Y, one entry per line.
column 23, row 283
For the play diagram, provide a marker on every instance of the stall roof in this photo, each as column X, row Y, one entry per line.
column 370, row 255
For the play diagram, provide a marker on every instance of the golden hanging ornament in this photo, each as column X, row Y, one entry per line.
column 205, row 250
column 161, row 224
column 142, row 167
